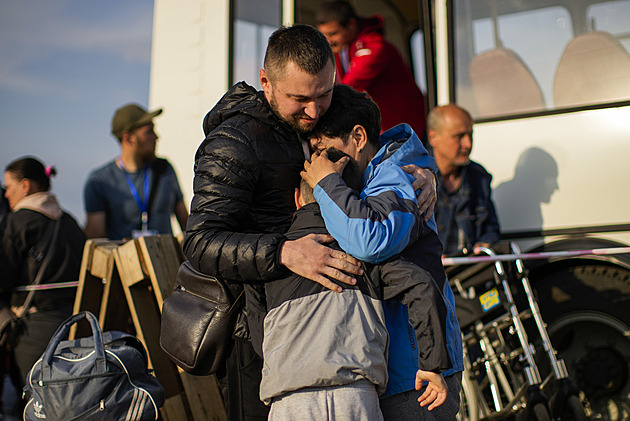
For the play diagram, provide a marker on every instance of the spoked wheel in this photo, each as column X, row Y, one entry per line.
column 596, row 350
column 468, row 404
column 540, row 412
column 573, row 410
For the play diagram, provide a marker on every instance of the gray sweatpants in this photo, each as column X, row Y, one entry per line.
column 354, row 401
column 405, row 406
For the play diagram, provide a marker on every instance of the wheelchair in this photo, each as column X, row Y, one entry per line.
column 501, row 380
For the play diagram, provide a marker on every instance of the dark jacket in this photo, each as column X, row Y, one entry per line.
column 25, row 241
column 246, row 171
column 315, row 337
column 470, row 208
column 245, row 174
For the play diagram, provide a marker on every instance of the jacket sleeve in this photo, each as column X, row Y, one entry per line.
column 13, row 251
column 217, row 241
column 367, row 63
column 415, row 287
column 378, row 224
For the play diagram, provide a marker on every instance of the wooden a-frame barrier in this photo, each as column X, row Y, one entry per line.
column 125, row 284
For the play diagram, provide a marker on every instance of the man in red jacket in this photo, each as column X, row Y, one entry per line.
column 368, row 62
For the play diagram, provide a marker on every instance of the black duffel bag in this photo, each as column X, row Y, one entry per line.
column 105, row 377
column 198, row 321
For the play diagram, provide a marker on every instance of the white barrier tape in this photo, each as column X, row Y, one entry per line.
column 449, row 261
column 43, row 287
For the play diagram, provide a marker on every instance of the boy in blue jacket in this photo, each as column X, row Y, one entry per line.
column 381, row 223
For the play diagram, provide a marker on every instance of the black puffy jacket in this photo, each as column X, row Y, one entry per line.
column 246, row 171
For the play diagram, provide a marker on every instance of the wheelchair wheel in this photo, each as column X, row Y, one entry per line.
column 573, row 410
column 468, row 404
column 540, row 413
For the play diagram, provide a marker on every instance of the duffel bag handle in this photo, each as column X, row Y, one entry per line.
column 62, row 333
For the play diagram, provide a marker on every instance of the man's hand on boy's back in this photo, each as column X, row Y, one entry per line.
column 427, row 184
column 436, row 391
column 308, row 257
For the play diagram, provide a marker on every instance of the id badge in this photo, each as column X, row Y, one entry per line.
column 143, row 233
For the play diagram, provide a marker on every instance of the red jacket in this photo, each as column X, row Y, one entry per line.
column 377, row 68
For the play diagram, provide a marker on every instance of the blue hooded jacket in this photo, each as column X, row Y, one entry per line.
column 384, row 222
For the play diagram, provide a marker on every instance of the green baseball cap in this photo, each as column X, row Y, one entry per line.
column 129, row 117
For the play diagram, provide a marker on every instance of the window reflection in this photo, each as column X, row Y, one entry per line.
column 515, row 57
column 255, row 21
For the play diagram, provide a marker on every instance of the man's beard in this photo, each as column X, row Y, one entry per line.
column 295, row 121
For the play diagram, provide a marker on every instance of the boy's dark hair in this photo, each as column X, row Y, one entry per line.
column 351, row 175
column 302, row 44
column 31, row 169
column 335, row 11
column 348, row 108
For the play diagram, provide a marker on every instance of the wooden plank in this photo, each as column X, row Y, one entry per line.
column 204, row 397
column 95, row 282
column 101, row 257
column 89, row 288
column 162, row 256
column 129, row 263
column 175, row 409
column 146, row 317
column 114, row 313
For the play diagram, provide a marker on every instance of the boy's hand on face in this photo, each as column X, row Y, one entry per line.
column 320, row 167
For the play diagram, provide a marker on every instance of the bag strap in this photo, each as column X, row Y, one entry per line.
column 42, row 268
column 62, row 332
column 159, row 168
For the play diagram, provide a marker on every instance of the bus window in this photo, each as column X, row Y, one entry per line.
column 254, row 22
column 529, row 56
column 417, row 58
column 611, row 17
column 595, row 65
column 506, row 56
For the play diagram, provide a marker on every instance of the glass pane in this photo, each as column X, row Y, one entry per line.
column 417, row 58
column 255, row 21
column 528, row 56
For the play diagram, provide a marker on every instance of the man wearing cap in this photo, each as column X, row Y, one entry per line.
column 136, row 193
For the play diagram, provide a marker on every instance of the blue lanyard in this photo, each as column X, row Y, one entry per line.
column 142, row 204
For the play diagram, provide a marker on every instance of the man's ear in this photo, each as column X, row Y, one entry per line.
column 125, row 138
column 359, row 136
column 265, row 82
column 298, row 199
column 432, row 136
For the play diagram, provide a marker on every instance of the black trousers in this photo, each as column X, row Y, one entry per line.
column 35, row 332
column 241, row 384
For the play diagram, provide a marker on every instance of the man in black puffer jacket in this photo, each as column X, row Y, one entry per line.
column 246, row 171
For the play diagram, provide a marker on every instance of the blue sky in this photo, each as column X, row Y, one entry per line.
column 65, row 66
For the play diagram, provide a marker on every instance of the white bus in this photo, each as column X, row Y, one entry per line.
column 548, row 83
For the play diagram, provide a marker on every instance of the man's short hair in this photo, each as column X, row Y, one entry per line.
column 351, row 175
column 435, row 119
column 302, row 44
column 348, row 108
column 335, row 11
